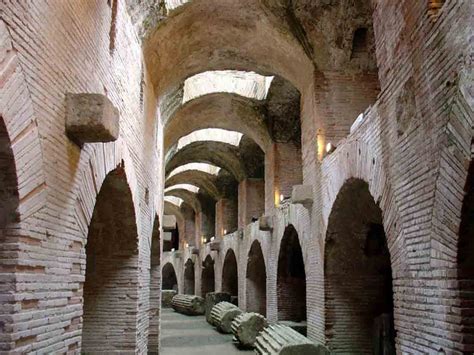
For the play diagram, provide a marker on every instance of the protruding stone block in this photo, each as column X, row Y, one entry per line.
column 223, row 314
column 213, row 298
column 167, row 297
column 302, row 194
column 265, row 223
column 246, row 328
column 280, row 339
column 178, row 254
column 195, row 251
column 215, row 246
column 188, row 304
column 169, row 223
column 91, row 118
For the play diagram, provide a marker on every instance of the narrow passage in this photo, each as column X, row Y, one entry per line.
column 182, row 335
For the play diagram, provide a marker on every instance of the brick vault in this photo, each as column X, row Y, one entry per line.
column 311, row 159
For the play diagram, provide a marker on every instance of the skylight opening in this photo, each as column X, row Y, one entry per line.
column 173, row 4
column 188, row 187
column 204, row 167
column 174, row 200
column 248, row 84
column 211, row 134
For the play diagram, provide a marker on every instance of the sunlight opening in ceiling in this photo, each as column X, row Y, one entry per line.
column 173, row 4
column 211, row 134
column 204, row 167
column 248, row 84
column 188, row 187
column 174, row 200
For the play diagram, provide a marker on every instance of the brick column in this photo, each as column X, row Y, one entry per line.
column 283, row 170
column 226, row 216
column 251, row 200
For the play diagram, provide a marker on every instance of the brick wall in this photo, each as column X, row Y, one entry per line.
column 283, row 170
column 226, row 216
column 251, row 200
column 155, row 288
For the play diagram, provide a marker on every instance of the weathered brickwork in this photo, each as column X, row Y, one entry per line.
column 387, row 237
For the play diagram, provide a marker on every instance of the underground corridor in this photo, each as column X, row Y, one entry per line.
column 236, row 176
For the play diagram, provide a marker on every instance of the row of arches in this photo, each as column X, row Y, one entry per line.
column 359, row 305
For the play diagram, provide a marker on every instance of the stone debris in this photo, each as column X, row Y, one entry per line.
column 188, row 304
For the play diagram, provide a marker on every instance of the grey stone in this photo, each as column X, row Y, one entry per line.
column 91, row 118
column 188, row 304
column 246, row 328
column 223, row 314
column 213, row 298
column 167, row 297
column 215, row 246
column 302, row 194
column 265, row 223
column 169, row 223
column 280, row 339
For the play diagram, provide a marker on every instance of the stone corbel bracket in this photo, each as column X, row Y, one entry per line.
column 178, row 254
column 302, row 194
column 91, row 118
column 195, row 251
column 265, row 223
column 215, row 246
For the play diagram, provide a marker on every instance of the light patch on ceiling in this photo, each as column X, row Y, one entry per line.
column 187, row 187
column 248, row 84
column 204, row 167
column 211, row 134
column 174, row 200
column 173, row 4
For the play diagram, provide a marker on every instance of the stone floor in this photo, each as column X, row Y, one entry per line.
column 182, row 335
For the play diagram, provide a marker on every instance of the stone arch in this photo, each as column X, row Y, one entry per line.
column 256, row 280
column 9, row 199
column 220, row 110
column 466, row 263
column 358, row 274
column 207, row 276
column 155, row 291
column 189, row 279
column 291, row 278
column 241, row 48
column 169, row 279
column 230, row 278
column 111, row 280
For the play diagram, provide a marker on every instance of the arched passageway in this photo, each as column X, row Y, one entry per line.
column 8, row 181
column 189, row 287
column 111, row 281
column 358, row 276
column 169, row 279
column 466, row 263
column 155, row 294
column 230, row 279
column 207, row 278
column 291, row 279
column 256, row 277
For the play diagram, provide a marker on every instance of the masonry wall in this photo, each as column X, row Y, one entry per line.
column 251, row 200
column 59, row 47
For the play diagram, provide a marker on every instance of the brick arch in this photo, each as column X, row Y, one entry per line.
column 189, row 278
column 291, row 278
column 358, row 274
column 168, row 275
column 256, row 280
column 230, row 279
column 208, row 282
column 112, row 269
column 357, row 159
column 155, row 289
column 466, row 263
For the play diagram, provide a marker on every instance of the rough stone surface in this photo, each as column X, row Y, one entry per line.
column 302, row 194
column 91, row 118
column 246, row 328
column 265, row 223
column 188, row 304
column 167, row 297
column 223, row 314
column 279, row 339
column 213, row 298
